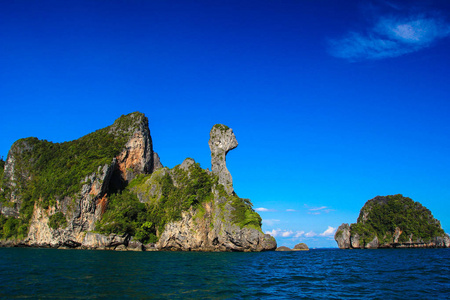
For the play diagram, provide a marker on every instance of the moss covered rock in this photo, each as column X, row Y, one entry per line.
column 392, row 221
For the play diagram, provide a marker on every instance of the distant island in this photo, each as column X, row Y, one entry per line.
column 392, row 222
column 109, row 190
column 298, row 247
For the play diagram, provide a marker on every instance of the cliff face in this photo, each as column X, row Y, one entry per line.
column 218, row 222
column 71, row 180
column 89, row 194
column 392, row 222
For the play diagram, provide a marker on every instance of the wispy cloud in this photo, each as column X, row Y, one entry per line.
column 318, row 210
column 290, row 209
column 390, row 36
column 329, row 232
column 264, row 209
column 310, row 234
column 299, row 234
column 270, row 222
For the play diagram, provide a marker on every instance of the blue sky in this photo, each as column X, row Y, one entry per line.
column 332, row 104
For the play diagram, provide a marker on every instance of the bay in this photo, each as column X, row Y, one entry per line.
column 314, row 274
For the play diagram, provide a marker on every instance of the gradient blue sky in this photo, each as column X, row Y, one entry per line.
column 332, row 104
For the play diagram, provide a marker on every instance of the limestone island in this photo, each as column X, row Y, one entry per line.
column 298, row 247
column 108, row 190
column 392, row 222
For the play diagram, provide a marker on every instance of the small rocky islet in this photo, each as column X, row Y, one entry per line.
column 392, row 221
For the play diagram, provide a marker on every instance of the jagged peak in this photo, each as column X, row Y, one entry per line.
column 129, row 124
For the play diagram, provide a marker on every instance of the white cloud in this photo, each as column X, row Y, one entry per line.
column 391, row 37
column 299, row 234
column 270, row 222
column 329, row 232
column 287, row 233
column 273, row 232
column 310, row 234
column 264, row 209
column 290, row 209
column 318, row 208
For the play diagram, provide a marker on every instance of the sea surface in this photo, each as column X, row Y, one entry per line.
column 314, row 274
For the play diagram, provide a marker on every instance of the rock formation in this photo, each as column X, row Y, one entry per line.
column 392, row 222
column 84, row 208
column 298, row 247
column 301, row 247
column 89, row 193
column 283, row 248
column 221, row 141
column 342, row 236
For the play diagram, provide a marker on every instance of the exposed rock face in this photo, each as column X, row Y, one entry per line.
column 301, row 247
column 212, row 232
column 102, row 242
column 373, row 244
column 283, row 248
column 342, row 236
column 381, row 211
column 156, row 162
column 354, row 241
column 221, row 141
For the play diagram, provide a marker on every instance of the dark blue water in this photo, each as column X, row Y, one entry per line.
column 315, row 274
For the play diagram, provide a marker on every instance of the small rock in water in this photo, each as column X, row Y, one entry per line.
column 283, row 248
column 301, row 247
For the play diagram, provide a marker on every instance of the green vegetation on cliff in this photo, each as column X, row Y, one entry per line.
column 58, row 169
column 382, row 215
column 165, row 195
column 221, row 127
column 57, row 220
column 45, row 171
column 179, row 190
column 242, row 212
column 12, row 228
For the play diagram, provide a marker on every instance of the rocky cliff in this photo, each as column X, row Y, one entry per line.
column 392, row 222
column 217, row 221
column 109, row 190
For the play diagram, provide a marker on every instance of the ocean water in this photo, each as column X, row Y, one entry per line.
column 314, row 274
